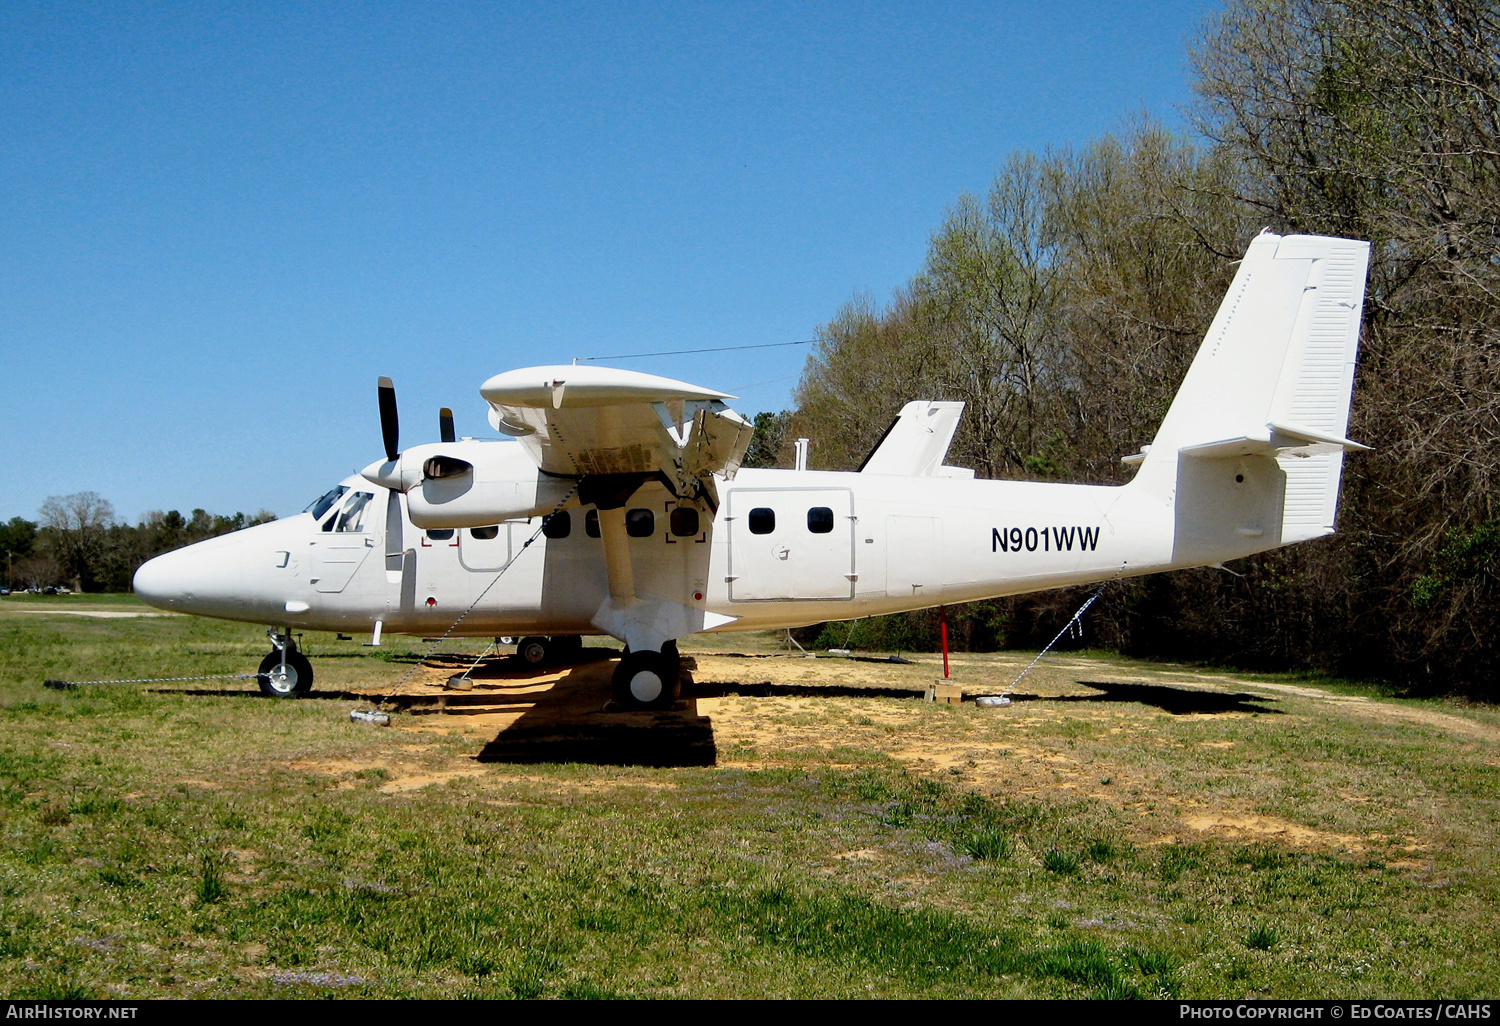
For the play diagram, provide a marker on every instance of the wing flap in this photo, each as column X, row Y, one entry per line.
column 603, row 421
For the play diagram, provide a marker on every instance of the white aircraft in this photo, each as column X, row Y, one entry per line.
column 646, row 528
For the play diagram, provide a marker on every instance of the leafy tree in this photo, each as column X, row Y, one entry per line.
column 17, row 540
column 768, row 446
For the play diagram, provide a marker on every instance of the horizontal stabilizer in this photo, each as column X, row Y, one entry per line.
column 917, row 440
column 1277, row 440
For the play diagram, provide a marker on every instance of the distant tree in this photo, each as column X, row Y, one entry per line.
column 76, row 527
column 768, row 446
column 17, row 539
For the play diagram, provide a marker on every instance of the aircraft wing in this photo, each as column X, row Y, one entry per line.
column 600, row 421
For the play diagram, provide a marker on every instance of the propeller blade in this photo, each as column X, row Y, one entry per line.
column 445, row 425
column 390, row 428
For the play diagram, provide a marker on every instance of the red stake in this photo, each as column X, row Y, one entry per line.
column 943, row 620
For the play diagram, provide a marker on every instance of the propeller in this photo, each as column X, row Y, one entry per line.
column 390, row 428
column 391, row 473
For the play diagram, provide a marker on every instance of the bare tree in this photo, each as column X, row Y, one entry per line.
column 76, row 527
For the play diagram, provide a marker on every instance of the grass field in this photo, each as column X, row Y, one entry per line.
column 1121, row 830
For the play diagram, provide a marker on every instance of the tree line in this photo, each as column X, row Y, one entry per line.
column 1064, row 306
column 78, row 542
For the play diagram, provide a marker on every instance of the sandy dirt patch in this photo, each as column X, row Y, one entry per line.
column 1075, row 730
column 1269, row 828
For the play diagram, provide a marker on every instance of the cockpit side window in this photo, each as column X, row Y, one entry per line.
column 325, row 502
column 353, row 516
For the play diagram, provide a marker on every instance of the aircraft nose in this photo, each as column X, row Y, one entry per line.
column 167, row 581
column 239, row 576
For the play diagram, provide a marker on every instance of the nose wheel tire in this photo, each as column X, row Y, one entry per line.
column 535, row 652
column 294, row 681
column 647, row 680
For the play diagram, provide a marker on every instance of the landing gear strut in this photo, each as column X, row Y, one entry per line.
column 648, row 680
column 284, row 672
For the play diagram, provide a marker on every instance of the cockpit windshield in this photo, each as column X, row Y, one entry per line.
column 325, row 502
column 353, row 516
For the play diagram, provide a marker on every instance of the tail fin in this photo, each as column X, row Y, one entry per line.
column 1251, row 451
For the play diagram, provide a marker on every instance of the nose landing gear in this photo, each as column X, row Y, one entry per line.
column 284, row 672
column 539, row 652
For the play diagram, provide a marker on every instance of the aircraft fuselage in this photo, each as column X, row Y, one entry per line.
column 785, row 548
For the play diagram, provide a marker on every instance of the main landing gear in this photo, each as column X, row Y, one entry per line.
column 648, row 680
column 284, row 672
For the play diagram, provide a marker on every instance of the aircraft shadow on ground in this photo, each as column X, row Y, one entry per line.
column 765, row 689
column 574, row 721
column 1177, row 701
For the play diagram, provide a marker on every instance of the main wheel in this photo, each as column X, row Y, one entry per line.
column 646, row 680
column 293, row 682
column 534, row 651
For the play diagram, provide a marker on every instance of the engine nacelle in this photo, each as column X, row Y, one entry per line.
column 472, row 483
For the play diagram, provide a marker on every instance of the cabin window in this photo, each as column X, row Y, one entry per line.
column 440, row 534
column 640, row 523
column 591, row 523
column 485, row 533
column 353, row 516
column 684, row 521
column 762, row 520
column 323, row 503
column 558, row 525
column 820, row 520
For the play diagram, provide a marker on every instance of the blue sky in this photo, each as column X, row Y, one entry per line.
column 219, row 223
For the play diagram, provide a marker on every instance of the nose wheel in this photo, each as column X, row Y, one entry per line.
column 284, row 672
column 648, row 680
column 539, row 652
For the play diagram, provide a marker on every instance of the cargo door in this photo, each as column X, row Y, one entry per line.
column 791, row 543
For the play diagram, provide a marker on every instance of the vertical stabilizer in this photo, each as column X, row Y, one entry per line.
column 1251, row 452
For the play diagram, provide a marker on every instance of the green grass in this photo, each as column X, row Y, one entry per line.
column 167, row 844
